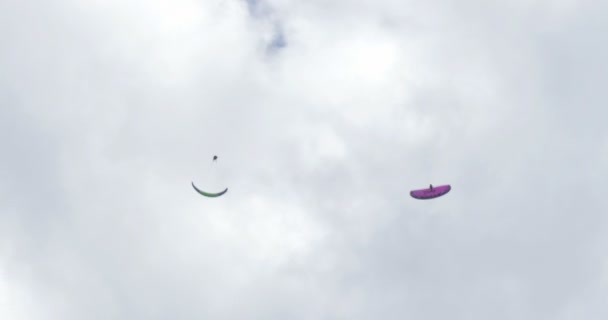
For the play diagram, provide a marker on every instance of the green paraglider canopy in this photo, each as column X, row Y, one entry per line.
column 209, row 194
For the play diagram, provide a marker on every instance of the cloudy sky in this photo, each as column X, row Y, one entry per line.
column 324, row 115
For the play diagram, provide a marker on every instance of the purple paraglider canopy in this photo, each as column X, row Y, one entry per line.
column 430, row 193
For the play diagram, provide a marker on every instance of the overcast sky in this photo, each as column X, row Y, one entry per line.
column 324, row 115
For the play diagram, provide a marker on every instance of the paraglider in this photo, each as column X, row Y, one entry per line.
column 431, row 192
column 209, row 194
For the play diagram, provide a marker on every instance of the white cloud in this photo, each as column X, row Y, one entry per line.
column 112, row 108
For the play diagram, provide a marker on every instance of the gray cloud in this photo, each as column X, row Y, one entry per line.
column 110, row 110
